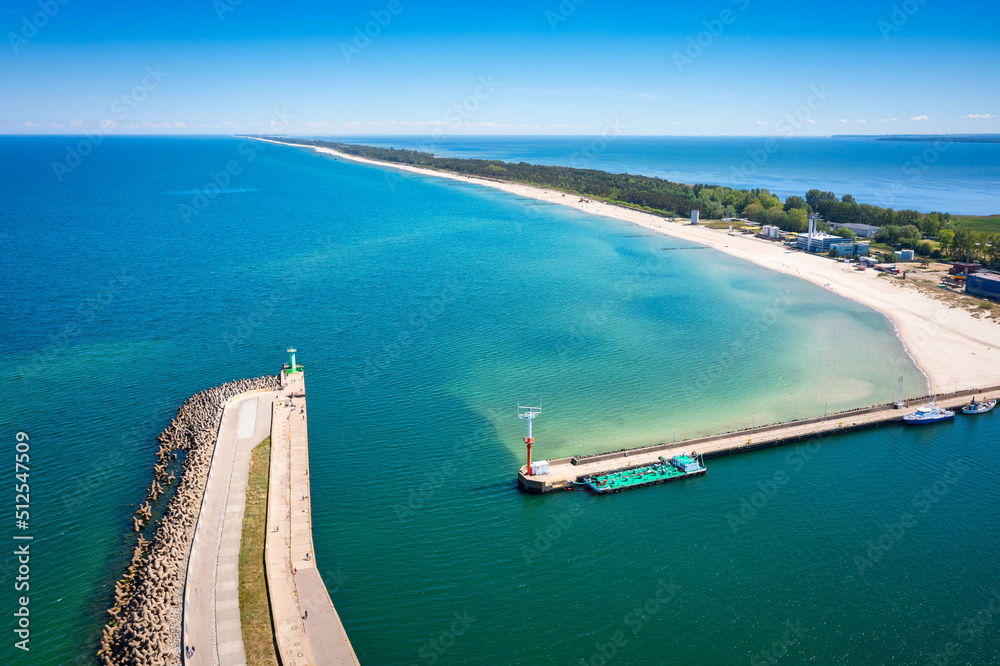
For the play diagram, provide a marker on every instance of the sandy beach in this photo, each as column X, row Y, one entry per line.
column 953, row 348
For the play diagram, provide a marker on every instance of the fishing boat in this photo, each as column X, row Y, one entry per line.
column 979, row 406
column 929, row 414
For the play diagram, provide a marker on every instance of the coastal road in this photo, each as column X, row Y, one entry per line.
column 211, row 599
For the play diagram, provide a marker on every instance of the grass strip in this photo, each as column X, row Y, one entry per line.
column 255, row 611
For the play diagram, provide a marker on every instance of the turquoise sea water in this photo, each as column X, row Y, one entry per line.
column 948, row 177
column 424, row 310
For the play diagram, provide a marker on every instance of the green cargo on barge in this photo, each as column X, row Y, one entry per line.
column 664, row 470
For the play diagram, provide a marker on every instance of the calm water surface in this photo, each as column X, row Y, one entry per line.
column 424, row 310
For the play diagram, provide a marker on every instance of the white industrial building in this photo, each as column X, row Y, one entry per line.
column 817, row 241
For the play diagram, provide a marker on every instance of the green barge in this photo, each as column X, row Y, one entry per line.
column 661, row 471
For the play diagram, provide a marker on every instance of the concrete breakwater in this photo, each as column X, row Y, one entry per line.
column 145, row 618
column 568, row 473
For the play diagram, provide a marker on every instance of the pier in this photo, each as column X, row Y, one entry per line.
column 307, row 628
column 568, row 473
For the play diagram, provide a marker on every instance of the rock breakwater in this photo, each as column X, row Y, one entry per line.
column 145, row 619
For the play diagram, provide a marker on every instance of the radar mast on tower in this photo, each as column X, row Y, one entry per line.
column 528, row 413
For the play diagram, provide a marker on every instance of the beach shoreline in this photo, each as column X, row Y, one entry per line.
column 953, row 349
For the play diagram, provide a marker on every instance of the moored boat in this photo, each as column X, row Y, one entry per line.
column 979, row 406
column 929, row 414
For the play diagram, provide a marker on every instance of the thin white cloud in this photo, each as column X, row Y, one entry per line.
column 760, row 122
column 353, row 123
column 55, row 124
column 229, row 123
column 180, row 123
column 862, row 121
column 811, row 121
column 321, row 123
column 842, row 120
column 919, row 118
column 76, row 123
column 979, row 115
column 30, row 124
column 886, row 120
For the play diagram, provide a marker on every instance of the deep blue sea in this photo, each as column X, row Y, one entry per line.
column 960, row 178
column 424, row 310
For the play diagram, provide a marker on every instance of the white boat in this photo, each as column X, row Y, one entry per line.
column 929, row 414
column 979, row 406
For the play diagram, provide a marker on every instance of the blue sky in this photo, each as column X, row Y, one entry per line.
column 731, row 67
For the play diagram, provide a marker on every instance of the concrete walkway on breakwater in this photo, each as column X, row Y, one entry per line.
column 211, row 599
column 307, row 627
column 562, row 472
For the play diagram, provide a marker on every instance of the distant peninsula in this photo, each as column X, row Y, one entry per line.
column 650, row 194
column 928, row 138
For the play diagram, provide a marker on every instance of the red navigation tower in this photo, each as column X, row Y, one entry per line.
column 528, row 413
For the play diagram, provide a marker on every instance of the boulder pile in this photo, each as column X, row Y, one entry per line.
column 145, row 620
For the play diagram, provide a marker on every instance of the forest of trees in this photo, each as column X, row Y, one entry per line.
column 901, row 229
